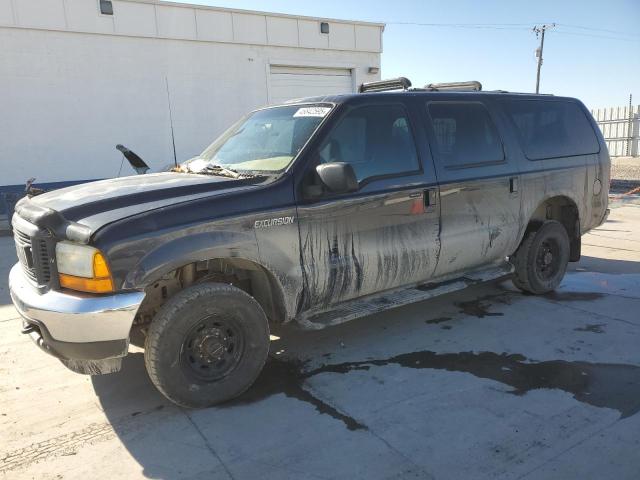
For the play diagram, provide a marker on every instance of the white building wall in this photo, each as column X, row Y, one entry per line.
column 75, row 83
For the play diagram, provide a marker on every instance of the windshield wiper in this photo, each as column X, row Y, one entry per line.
column 220, row 170
column 206, row 168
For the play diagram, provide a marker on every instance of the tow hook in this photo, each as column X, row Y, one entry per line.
column 28, row 329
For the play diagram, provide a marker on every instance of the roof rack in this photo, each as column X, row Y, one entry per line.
column 400, row 83
column 473, row 86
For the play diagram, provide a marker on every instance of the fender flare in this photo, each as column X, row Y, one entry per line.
column 184, row 250
column 572, row 202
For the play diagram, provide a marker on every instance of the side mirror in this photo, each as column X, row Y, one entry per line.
column 338, row 177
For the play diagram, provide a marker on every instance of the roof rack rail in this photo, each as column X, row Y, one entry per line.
column 400, row 83
column 473, row 86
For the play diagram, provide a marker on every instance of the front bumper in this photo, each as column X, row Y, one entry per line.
column 75, row 326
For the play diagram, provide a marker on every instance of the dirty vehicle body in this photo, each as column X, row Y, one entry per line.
column 370, row 201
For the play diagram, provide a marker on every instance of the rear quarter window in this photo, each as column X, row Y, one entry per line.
column 552, row 128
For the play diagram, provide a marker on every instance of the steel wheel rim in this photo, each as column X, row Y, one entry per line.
column 548, row 260
column 213, row 348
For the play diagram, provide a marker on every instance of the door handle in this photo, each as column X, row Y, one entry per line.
column 513, row 184
column 430, row 197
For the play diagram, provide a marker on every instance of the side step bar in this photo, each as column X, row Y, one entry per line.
column 379, row 302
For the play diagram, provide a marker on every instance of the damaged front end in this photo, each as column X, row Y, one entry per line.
column 89, row 334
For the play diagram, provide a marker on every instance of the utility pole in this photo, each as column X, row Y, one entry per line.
column 539, row 31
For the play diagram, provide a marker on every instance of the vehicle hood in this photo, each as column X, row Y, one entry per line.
column 98, row 203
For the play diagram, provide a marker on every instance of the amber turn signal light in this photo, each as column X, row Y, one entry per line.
column 100, row 283
column 90, row 285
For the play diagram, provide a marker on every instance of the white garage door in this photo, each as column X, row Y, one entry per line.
column 296, row 82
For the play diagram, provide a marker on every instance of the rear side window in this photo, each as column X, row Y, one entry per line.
column 550, row 129
column 464, row 134
column 375, row 139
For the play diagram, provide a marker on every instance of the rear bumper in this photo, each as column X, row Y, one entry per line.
column 75, row 326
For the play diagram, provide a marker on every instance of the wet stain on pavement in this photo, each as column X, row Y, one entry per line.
column 477, row 308
column 615, row 386
column 593, row 328
column 435, row 321
column 287, row 376
column 573, row 296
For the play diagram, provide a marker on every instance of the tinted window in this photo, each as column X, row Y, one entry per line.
column 464, row 134
column 550, row 129
column 376, row 140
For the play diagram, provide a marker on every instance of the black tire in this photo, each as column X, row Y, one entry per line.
column 541, row 259
column 206, row 345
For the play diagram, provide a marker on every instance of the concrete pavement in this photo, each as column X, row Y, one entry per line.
column 483, row 383
column 625, row 168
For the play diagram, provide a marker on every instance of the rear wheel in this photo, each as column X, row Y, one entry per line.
column 541, row 260
column 207, row 345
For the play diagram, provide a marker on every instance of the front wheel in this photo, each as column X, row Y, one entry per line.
column 206, row 345
column 541, row 259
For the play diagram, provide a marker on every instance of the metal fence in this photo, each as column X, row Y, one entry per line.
column 621, row 129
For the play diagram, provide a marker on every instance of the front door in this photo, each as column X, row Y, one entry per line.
column 383, row 236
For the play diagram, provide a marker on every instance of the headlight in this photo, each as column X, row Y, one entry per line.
column 83, row 268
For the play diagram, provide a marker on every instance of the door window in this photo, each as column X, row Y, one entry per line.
column 375, row 139
column 464, row 134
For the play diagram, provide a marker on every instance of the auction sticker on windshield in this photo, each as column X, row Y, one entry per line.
column 312, row 112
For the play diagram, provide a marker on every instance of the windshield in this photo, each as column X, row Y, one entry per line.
column 265, row 141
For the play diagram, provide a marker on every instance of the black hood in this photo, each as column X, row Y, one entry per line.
column 96, row 204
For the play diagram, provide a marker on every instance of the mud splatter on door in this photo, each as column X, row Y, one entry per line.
column 357, row 246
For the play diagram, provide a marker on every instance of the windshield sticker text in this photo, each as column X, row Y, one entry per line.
column 312, row 112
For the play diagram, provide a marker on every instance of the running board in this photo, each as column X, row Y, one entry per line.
column 387, row 300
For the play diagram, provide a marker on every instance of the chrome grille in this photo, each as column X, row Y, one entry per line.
column 24, row 250
column 44, row 261
column 33, row 252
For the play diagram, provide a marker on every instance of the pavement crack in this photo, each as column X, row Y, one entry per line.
column 568, row 449
column 398, row 452
column 610, row 248
column 615, row 238
column 287, row 377
column 207, row 443
column 595, row 314
column 11, row 319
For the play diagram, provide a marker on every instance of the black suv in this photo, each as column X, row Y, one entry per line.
column 319, row 210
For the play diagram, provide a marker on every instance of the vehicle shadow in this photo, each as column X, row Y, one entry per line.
column 128, row 391
column 146, row 423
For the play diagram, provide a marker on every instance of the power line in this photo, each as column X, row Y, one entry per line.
column 609, row 37
column 580, row 27
column 524, row 26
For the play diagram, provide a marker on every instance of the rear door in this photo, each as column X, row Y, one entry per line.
column 383, row 236
column 479, row 194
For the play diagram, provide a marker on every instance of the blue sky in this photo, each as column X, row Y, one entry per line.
column 599, row 64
